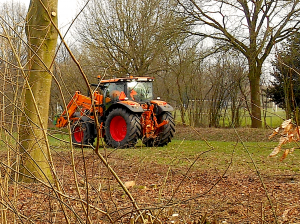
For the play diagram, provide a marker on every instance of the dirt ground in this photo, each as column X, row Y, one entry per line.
column 223, row 134
column 158, row 190
column 227, row 197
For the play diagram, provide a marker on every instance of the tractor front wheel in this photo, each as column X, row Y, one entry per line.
column 122, row 129
column 82, row 133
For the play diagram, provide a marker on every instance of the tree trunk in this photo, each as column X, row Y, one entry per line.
column 42, row 39
column 254, row 79
column 287, row 98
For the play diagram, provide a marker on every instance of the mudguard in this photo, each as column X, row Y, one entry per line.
column 161, row 106
column 132, row 106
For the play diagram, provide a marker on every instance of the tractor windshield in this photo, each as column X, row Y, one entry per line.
column 139, row 91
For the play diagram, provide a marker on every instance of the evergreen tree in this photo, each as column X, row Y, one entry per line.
column 285, row 88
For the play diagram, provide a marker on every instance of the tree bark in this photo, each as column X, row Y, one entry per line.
column 254, row 79
column 42, row 39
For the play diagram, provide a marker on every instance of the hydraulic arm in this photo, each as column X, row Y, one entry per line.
column 82, row 103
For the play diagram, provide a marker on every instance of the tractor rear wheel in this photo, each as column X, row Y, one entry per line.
column 82, row 133
column 122, row 128
column 165, row 133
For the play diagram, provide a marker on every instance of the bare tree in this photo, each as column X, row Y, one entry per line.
column 42, row 39
column 227, row 89
column 251, row 27
column 128, row 37
column 182, row 81
column 12, row 30
column 12, row 33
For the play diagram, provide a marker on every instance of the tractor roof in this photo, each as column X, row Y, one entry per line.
column 128, row 79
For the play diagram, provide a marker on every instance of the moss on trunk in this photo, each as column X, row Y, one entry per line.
column 42, row 40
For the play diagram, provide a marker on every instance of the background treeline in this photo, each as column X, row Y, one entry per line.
column 205, row 80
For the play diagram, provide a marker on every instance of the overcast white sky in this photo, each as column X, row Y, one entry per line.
column 67, row 10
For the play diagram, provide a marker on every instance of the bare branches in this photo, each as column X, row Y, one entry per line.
column 130, row 37
column 251, row 27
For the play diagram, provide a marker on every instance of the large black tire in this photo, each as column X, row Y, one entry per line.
column 82, row 133
column 122, row 128
column 165, row 133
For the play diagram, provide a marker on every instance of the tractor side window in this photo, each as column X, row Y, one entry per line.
column 114, row 90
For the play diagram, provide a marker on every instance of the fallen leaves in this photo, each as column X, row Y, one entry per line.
column 237, row 198
column 289, row 133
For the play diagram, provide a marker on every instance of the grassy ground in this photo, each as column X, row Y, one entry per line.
column 270, row 118
column 224, row 174
column 215, row 154
column 254, row 187
column 218, row 146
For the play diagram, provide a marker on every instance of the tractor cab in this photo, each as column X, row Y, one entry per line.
column 138, row 89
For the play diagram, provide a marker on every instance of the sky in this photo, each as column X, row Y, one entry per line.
column 67, row 10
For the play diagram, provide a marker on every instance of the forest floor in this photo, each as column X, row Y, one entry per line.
column 219, row 178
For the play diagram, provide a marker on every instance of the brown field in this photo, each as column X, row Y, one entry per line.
column 194, row 187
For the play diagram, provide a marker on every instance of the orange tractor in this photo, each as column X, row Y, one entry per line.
column 125, row 111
